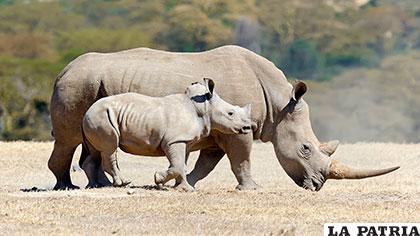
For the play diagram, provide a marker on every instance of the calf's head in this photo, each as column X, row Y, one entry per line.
column 224, row 117
column 303, row 157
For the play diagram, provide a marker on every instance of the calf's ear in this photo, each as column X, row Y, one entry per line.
column 298, row 90
column 210, row 85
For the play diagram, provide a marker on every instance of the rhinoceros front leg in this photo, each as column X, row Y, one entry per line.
column 178, row 180
column 238, row 149
column 206, row 162
column 176, row 154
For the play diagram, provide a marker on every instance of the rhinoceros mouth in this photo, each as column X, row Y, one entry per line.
column 242, row 130
column 245, row 130
column 312, row 183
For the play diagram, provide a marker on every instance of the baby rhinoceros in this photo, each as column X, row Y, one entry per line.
column 156, row 126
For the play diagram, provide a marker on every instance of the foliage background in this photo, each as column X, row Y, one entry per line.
column 360, row 58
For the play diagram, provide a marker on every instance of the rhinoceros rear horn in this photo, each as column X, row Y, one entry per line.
column 329, row 147
column 340, row 171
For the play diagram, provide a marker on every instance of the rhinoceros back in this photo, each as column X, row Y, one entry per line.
column 153, row 73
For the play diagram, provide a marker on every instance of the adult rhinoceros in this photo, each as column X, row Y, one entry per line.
column 279, row 113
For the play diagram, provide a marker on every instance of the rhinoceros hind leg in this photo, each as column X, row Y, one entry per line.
column 248, row 186
column 90, row 168
column 65, row 185
column 102, row 178
column 59, row 163
column 91, row 164
column 93, row 170
column 110, row 165
column 160, row 177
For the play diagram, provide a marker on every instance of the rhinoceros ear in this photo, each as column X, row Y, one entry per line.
column 298, row 90
column 210, row 85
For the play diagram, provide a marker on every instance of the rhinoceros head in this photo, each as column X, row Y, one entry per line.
column 303, row 157
column 224, row 117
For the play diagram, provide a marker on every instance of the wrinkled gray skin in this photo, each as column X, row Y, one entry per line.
column 279, row 113
column 156, row 126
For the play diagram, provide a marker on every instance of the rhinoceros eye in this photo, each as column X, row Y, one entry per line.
column 230, row 113
column 305, row 150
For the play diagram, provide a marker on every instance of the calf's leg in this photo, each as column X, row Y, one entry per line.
column 90, row 162
column 102, row 178
column 91, row 166
column 110, row 165
column 178, row 179
column 176, row 154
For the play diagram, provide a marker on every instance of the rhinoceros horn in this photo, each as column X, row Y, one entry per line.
column 340, row 171
column 329, row 147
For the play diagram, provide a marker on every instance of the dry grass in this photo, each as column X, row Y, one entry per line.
column 279, row 208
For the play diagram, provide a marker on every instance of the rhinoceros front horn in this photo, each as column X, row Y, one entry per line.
column 340, row 171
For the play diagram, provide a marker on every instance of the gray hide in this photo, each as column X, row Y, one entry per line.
column 279, row 113
column 156, row 126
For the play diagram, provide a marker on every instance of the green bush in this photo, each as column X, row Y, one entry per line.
column 352, row 57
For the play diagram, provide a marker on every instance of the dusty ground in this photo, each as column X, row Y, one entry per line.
column 279, row 208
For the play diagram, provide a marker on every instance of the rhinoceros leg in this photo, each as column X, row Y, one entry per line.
column 94, row 171
column 206, row 162
column 60, row 162
column 91, row 166
column 178, row 180
column 110, row 165
column 102, row 178
column 91, row 163
column 238, row 149
column 176, row 154
column 95, row 174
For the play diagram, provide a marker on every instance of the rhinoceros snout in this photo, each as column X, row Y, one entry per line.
column 246, row 128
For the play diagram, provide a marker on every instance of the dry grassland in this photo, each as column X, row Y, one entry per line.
column 279, row 208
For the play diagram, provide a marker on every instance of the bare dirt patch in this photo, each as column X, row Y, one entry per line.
column 28, row 206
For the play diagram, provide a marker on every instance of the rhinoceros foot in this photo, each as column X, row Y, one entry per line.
column 65, row 186
column 95, row 185
column 102, row 179
column 184, row 187
column 251, row 185
column 160, row 177
column 121, row 183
